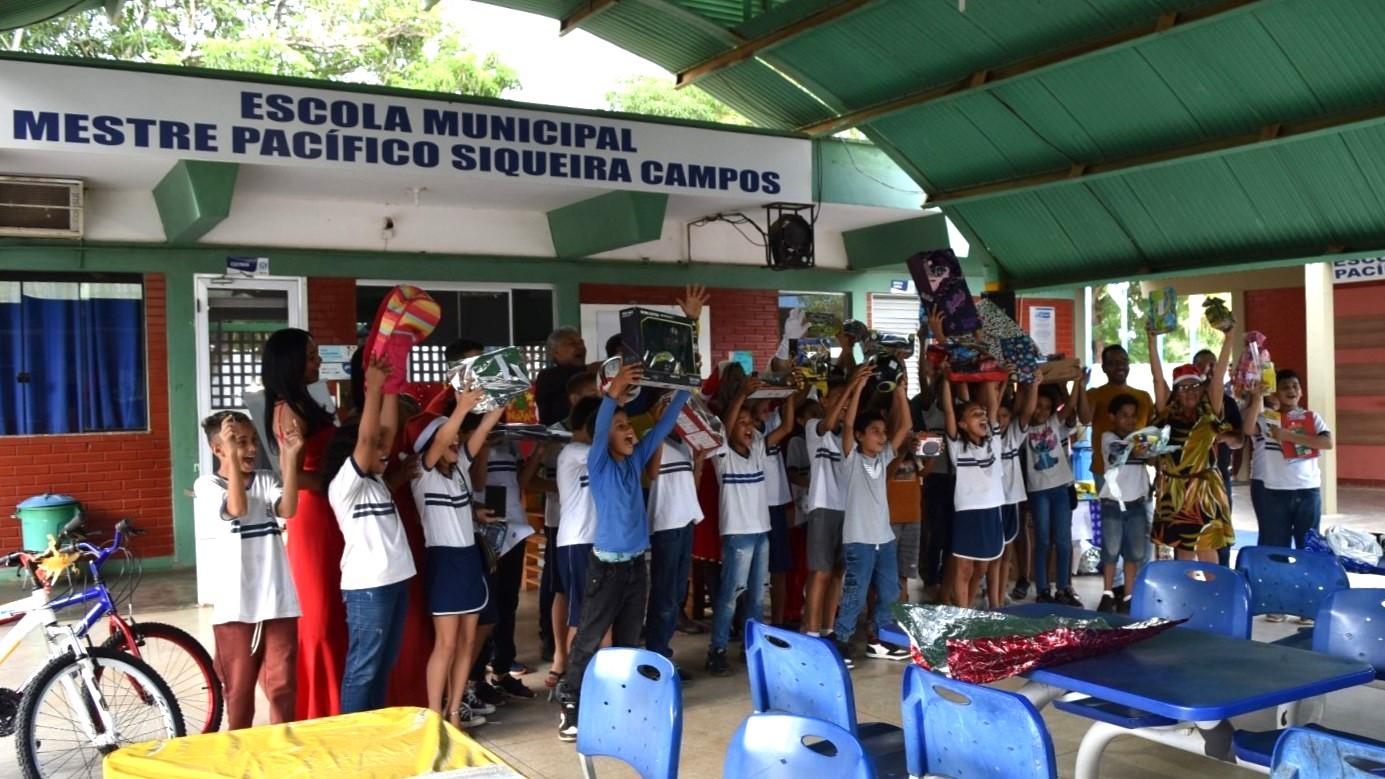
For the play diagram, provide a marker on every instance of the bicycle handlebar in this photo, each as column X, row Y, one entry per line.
column 73, row 530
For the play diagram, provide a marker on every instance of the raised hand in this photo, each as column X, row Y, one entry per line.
column 467, row 399
column 694, row 298
column 751, row 385
column 376, row 373
column 293, row 440
column 935, row 323
column 630, row 374
column 227, row 433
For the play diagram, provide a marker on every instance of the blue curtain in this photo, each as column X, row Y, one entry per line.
column 82, row 345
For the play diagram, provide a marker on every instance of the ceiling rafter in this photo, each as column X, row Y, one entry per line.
column 754, row 46
column 984, row 80
column 1267, row 136
column 584, row 14
column 594, row 8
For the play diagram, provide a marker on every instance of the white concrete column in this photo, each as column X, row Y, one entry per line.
column 1082, row 326
column 1320, row 321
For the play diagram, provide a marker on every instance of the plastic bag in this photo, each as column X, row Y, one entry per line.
column 1250, row 365
column 983, row 646
column 1354, row 544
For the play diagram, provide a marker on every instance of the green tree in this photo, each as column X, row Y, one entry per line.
column 385, row 42
column 654, row 96
column 1178, row 346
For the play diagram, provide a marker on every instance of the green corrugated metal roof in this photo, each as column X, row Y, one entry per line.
column 1242, row 66
column 22, row 13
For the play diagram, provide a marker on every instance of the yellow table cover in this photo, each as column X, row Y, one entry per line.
column 383, row 744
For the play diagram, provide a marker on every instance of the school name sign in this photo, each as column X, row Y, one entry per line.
column 94, row 110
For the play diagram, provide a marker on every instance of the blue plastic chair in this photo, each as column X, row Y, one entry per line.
column 786, row 746
column 957, row 729
column 1314, row 753
column 1350, row 625
column 1290, row 581
column 1213, row 598
column 631, row 709
column 800, row 674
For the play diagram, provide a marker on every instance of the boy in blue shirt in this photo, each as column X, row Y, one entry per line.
column 617, row 577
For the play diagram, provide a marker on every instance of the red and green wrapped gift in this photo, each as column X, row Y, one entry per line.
column 985, row 646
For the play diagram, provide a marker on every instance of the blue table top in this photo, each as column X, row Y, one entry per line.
column 1190, row 675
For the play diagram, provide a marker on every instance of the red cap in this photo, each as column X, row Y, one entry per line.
column 420, row 429
column 1187, row 373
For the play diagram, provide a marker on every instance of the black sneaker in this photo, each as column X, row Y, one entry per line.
column 567, row 722
column 1108, row 604
column 716, row 663
column 683, row 676
column 847, row 652
column 1124, row 607
column 1021, row 590
column 1045, row 596
column 1069, row 597
column 514, row 687
column 488, row 693
column 884, row 650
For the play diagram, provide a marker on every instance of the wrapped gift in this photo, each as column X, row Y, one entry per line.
column 665, row 344
column 1250, row 365
column 1062, row 370
column 1161, row 314
column 1298, row 421
column 985, row 646
column 533, row 432
column 699, row 428
column 776, row 387
column 1008, row 342
column 968, row 361
column 406, row 317
column 524, row 408
column 499, row 372
column 1218, row 315
column 1268, row 379
column 941, row 284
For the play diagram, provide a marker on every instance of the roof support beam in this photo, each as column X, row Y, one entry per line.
column 756, row 45
column 986, row 79
column 584, row 14
column 1268, row 136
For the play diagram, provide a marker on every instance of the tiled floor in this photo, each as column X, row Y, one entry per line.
column 524, row 733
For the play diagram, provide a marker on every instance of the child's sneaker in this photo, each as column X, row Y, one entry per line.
column 1306, row 621
column 473, row 702
column 1069, row 597
column 567, row 722
column 1275, row 617
column 847, row 652
column 1108, row 602
column 467, row 719
column 1045, row 596
column 884, row 650
column 513, row 687
column 717, row 664
column 1124, row 607
column 489, row 693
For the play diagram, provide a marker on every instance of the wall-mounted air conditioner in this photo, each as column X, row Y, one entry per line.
column 33, row 207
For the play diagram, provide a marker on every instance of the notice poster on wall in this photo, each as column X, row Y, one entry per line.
column 1043, row 328
column 336, row 361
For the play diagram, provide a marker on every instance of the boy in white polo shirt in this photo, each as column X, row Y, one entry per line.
column 255, row 592
column 745, row 520
column 673, row 512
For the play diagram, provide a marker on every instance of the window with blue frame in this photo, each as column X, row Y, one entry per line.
column 72, row 354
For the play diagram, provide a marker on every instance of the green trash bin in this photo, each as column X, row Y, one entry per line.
column 44, row 515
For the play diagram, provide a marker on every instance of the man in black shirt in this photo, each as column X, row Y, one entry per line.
column 569, row 355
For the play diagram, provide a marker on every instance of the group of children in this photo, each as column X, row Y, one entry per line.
column 840, row 486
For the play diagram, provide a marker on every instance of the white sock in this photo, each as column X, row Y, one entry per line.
column 1108, row 593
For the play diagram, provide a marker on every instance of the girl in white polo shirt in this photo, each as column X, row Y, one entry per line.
column 974, row 446
column 458, row 595
column 376, row 564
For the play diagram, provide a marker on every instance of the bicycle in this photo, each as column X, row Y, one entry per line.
column 174, row 654
column 85, row 702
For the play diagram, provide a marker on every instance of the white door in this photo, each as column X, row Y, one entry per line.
column 234, row 319
column 899, row 315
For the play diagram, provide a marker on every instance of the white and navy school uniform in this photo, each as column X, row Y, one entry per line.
column 376, row 552
column 503, row 464
column 576, row 527
column 745, row 528
column 779, row 497
column 978, row 531
column 552, row 509
column 253, row 581
column 826, row 501
column 455, row 576
column 673, row 501
column 1012, row 439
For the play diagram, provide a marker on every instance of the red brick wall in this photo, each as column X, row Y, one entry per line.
column 741, row 318
column 113, row 475
column 1279, row 314
column 1360, row 449
column 1063, row 312
column 332, row 310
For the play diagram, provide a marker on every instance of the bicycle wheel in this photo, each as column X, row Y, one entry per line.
column 53, row 737
column 185, row 665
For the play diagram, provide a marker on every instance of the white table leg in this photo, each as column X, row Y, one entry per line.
column 1093, row 745
column 1209, row 739
column 1041, row 694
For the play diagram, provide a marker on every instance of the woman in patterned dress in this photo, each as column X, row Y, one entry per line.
column 1192, row 512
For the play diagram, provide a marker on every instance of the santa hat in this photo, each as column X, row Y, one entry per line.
column 1187, row 373
column 420, row 429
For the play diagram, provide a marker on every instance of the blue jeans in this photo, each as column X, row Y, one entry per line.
column 1052, row 513
column 375, row 626
column 867, row 565
column 744, row 568
column 670, row 560
column 1287, row 515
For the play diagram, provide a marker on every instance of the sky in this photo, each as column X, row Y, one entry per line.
column 575, row 70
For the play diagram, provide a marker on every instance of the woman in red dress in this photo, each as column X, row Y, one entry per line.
column 290, row 363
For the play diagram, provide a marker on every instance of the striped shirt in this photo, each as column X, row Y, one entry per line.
column 251, row 569
column 980, row 473
column 376, row 553
column 445, row 504
column 824, row 486
column 578, row 522
column 744, row 507
column 673, row 496
column 776, row 478
column 1011, row 440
